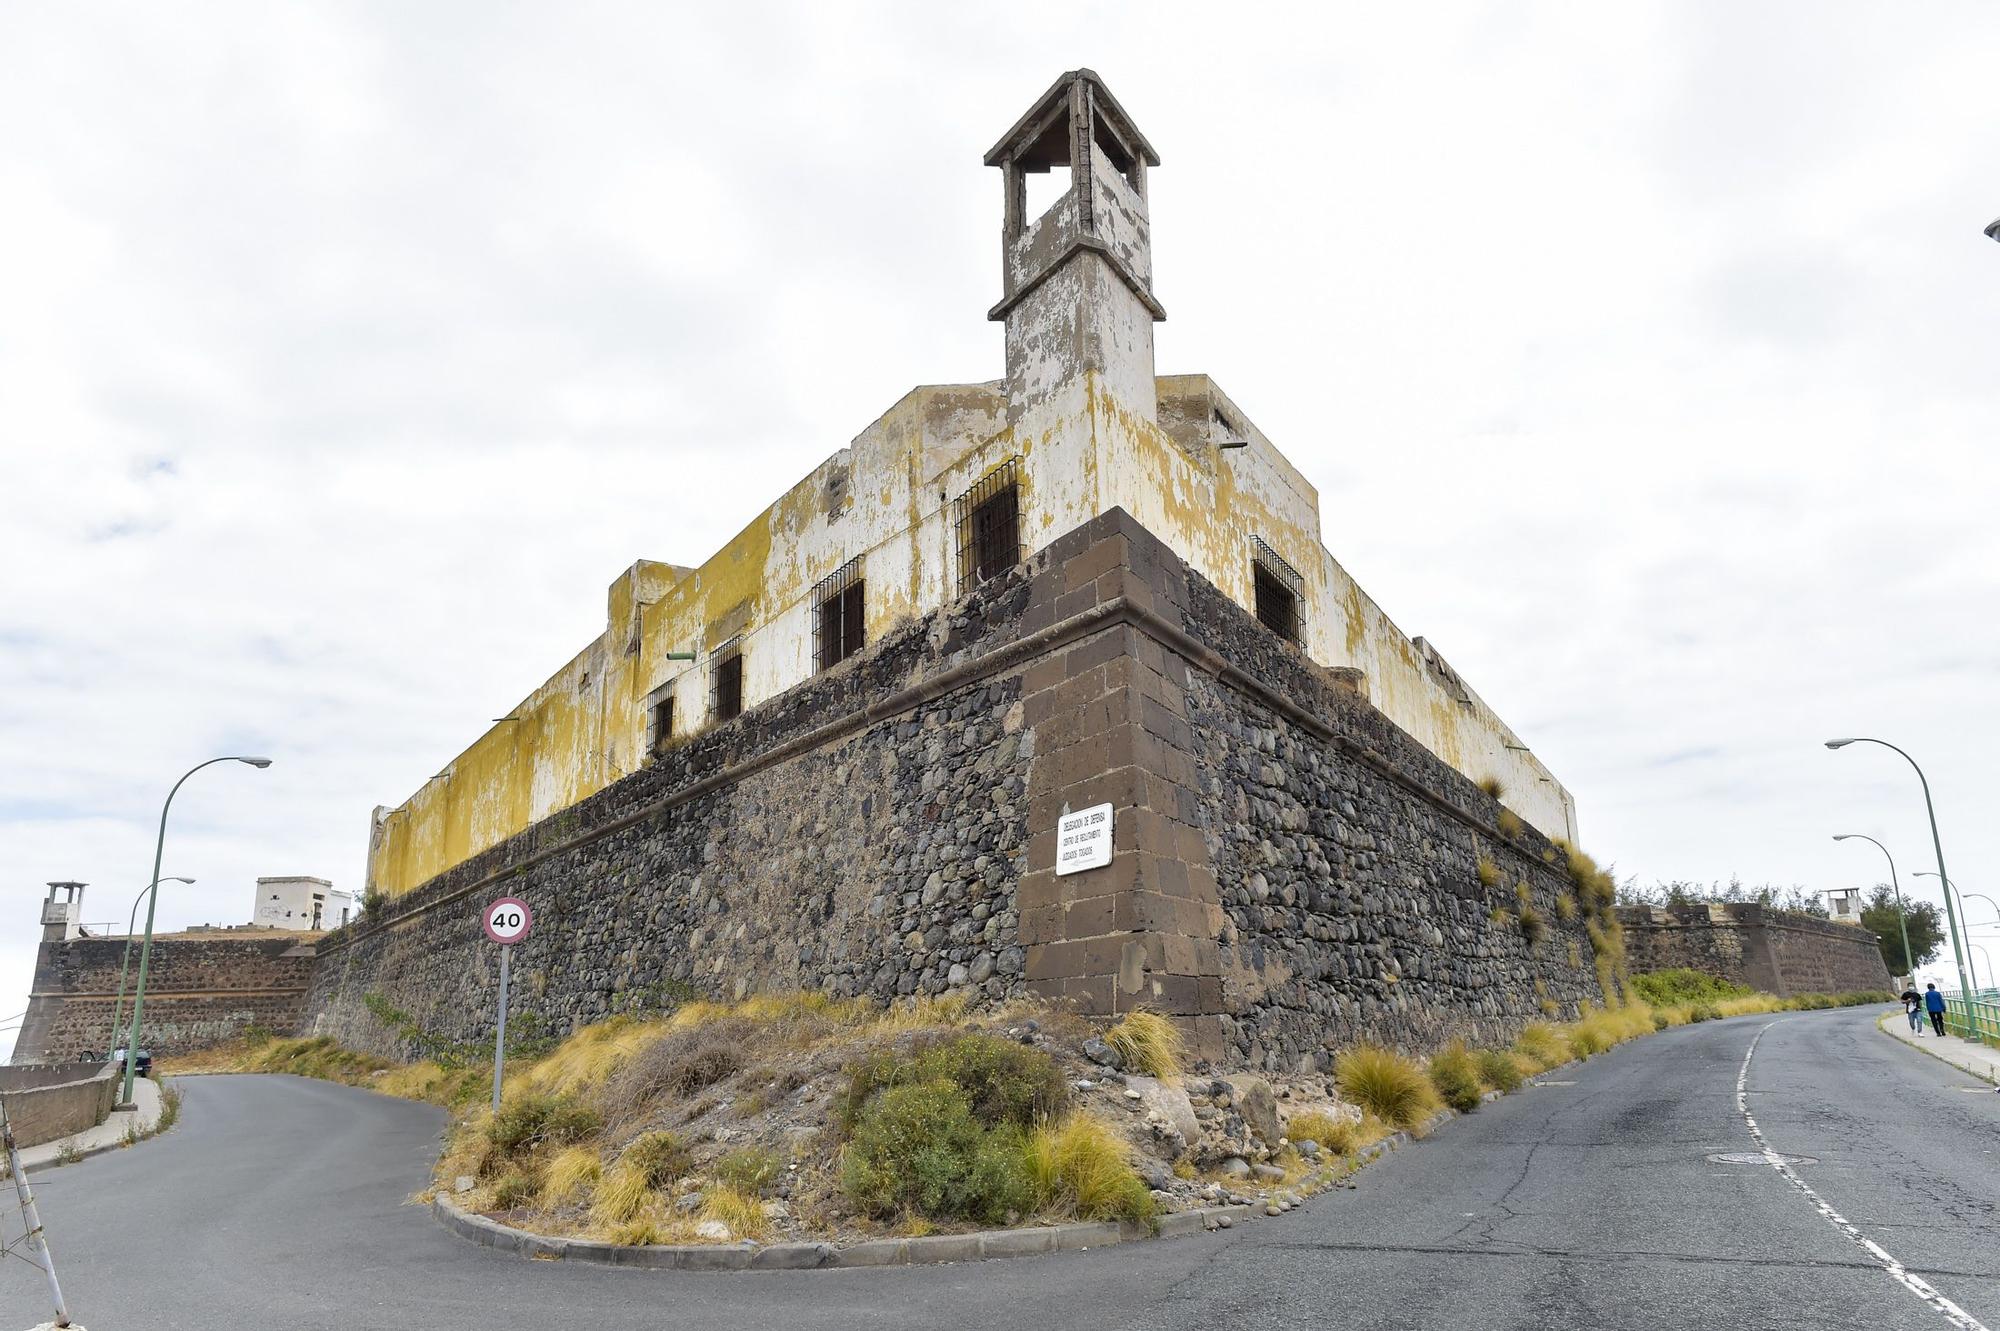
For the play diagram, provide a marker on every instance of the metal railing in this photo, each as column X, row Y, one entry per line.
column 1975, row 1016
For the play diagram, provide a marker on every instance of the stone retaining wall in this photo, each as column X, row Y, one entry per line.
column 49, row 1102
column 1290, row 870
column 1775, row 951
column 201, row 990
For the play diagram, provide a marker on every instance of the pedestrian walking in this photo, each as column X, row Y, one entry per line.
column 1913, row 1008
column 1934, row 1004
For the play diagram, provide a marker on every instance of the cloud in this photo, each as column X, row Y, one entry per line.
column 1642, row 355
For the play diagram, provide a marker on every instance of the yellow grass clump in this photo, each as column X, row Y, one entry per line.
column 1341, row 1136
column 571, row 1173
column 743, row 1213
column 621, row 1195
column 587, row 1059
column 1078, row 1167
column 1386, row 1084
column 1149, row 1043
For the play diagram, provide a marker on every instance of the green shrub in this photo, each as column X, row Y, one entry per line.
column 516, row 1188
column 1661, row 1021
column 1704, row 1011
column 1385, row 1084
column 750, row 1169
column 920, row 1147
column 1500, row 1070
column 1456, row 1076
column 529, row 1121
column 657, row 1157
column 1682, row 985
column 1003, row 1081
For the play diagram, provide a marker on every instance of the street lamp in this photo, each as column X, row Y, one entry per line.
column 1909, row 957
column 1937, row 844
column 1962, row 894
column 152, row 902
column 131, row 916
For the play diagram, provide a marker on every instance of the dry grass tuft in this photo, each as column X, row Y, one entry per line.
column 1493, row 786
column 1338, row 1135
column 1149, row 1043
column 1455, row 1074
column 743, row 1213
column 1079, row 1168
column 1510, row 824
column 620, row 1195
column 1488, row 871
column 1543, row 1045
column 588, row 1059
column 1502, row 1070
column 1386, row 1084
column 571, row 1173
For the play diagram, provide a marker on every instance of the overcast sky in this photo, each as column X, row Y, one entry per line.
column 1644, row 358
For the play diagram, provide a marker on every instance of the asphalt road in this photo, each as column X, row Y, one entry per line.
column 1585, row 1203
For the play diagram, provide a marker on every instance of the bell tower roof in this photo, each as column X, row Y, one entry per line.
column 1039, row 140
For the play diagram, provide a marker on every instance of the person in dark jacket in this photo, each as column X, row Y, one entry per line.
column 1934, row 1004
column 1913, row 1008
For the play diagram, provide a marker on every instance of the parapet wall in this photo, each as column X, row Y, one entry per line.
column 201, row 990
column 1776, row 951
column 44, row 1103
column 1291, row 871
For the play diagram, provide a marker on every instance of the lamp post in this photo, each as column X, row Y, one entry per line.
column 1909, row 957
column 131, row 916
column 1937, row 844
column 152, row 902
column 1962, row 894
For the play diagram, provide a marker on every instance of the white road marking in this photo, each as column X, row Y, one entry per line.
column 1902, row 1275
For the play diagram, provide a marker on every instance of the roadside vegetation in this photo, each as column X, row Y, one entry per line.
column 800, row 1114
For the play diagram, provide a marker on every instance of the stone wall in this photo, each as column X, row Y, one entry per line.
column 1290, row 872
column 1775, row 951
column 201, row 990
column 45, row 1103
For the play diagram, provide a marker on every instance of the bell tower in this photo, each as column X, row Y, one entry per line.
column 1078, row 280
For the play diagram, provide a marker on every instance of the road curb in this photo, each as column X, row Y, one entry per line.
column 934, row 1250
column 1882, row 1026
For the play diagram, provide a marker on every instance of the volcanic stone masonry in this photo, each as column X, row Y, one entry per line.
column 1291, row 871
column 202, row 989
column 1777, row 951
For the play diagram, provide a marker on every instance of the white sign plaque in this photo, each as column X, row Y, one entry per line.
column 1083, row 840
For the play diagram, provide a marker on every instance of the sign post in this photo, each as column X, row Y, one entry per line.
column 507, row 922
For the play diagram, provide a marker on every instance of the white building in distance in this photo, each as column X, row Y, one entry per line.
column 301, row 903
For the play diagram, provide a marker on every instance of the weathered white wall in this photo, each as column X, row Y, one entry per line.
column 287, row 903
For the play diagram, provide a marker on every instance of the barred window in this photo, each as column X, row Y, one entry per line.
column 1276, row 586
column 989, row 525
column 725, row 676
column 838, row 621
column 663, row 724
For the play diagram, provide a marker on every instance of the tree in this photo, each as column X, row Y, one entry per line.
column 1878, row 916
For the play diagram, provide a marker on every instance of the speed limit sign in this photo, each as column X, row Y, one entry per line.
column 508, row 921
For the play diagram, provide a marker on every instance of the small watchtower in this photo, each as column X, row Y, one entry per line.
column 1078, row 280
column 62, row 912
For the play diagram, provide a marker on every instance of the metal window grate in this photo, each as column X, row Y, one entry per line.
column 1276, row 586
column 838, row 620
column 725, row 681
column 989, row 525
column 663, row 724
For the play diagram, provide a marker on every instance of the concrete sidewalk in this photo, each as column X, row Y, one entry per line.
column 1982, row 1061
column 108, row 1135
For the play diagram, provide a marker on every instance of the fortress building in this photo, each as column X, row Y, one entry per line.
column 953, row 485
column 839, row 751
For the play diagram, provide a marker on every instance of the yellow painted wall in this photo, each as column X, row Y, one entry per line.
column 887, row 497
